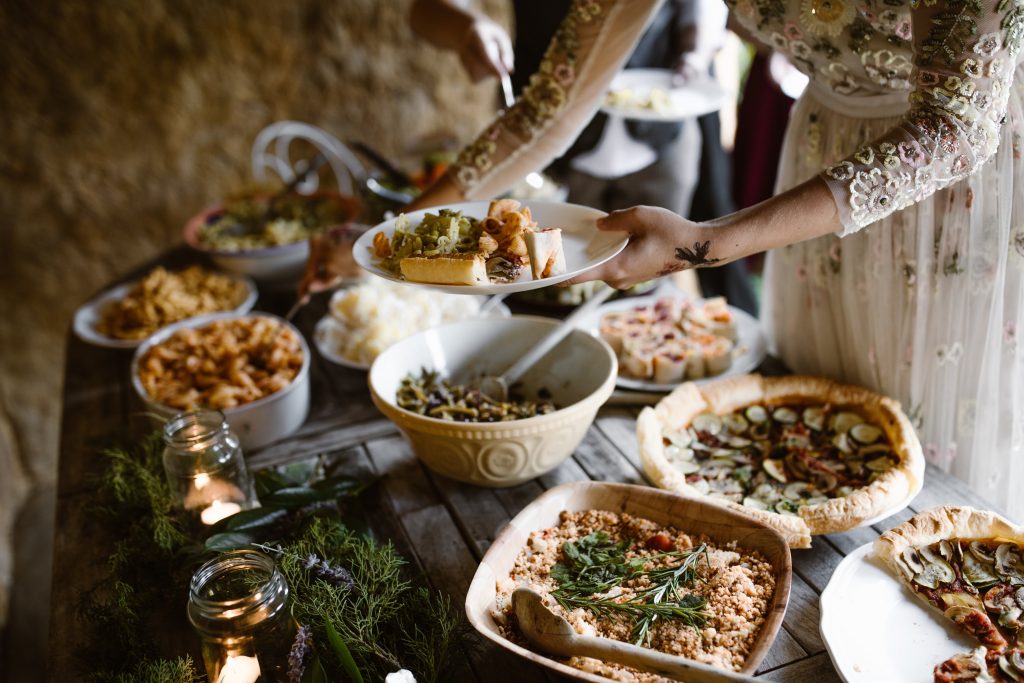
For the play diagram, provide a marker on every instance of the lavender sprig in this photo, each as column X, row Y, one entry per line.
column 297, row 656
column 323, row 569
column 320, row 568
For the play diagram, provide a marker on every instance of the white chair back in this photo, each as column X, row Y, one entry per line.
column 270, row 151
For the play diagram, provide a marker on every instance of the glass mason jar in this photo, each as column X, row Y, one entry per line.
column 238, row 603
column 204, row 465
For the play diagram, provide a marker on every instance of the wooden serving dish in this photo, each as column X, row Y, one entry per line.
column 663, row 507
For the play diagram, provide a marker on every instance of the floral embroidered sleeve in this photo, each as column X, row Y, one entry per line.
column 965, row 53
column 591, row 45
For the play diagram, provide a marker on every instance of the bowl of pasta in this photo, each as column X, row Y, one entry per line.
column 254, row 368
column 265, row 235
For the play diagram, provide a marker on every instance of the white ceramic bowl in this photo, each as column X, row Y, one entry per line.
column 580, row 374
column 259, row 423
column 275, row 264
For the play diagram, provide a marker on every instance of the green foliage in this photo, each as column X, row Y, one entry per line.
column 148, row 565
column 180, row 670
column 384, row 623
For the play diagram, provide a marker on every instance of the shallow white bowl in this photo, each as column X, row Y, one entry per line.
column 280, row 264
column 580, row 374
column 259, row 423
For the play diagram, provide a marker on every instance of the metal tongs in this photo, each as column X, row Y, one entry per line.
column 506, row 89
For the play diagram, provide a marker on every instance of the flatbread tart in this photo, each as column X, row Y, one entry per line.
column 804, row 455
column 969, row 565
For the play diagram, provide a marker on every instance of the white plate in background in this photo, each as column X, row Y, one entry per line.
column 89, row 314
column 686, row 101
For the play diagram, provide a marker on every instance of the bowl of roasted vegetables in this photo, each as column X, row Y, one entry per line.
column 427, row 384
column 266, row 234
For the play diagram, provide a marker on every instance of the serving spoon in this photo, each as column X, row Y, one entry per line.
column 496, row 387
column 555, row 635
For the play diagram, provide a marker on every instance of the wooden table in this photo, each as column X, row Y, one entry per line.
column 440, row 525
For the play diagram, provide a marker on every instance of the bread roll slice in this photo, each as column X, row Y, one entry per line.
column 545, row 250
column 456, row 269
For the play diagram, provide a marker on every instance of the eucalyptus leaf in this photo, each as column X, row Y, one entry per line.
column 348, row 664
column 254, row 519
column 268, row 481
column 232, row 540
column 293, row 496
column 343, row 486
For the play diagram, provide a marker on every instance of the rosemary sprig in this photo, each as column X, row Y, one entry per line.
column 595, row 564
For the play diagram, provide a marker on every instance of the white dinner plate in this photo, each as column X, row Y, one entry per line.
column 689, row 100
column 321, row 337
column 877, row 631
column 89, row 314
column 585, row 247
column 751, row 344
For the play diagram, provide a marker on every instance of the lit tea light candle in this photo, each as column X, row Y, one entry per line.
column 239, row 669
column 217, row 511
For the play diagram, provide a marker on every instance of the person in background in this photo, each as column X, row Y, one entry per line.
column 683, row 35
column 897, row 234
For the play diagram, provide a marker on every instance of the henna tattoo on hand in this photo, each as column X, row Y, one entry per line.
column 698, row 256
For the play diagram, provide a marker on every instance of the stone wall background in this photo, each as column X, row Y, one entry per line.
column 120, row 119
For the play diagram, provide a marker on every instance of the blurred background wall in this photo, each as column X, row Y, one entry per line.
column 120, row 119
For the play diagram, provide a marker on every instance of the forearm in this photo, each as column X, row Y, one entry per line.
column 442, row 23
column 802, row 213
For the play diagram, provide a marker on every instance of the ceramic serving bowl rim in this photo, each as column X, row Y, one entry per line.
column 529, row 423
column 192, row 226
column 485, row 577
column 202, row 321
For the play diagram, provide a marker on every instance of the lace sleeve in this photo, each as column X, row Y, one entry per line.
column 588, row 49
column 965, row 52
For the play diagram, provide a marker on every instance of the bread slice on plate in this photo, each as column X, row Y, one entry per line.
column 545, row 250
column 455, row 269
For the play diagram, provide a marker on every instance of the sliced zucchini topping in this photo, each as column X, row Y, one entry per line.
column 782, row 457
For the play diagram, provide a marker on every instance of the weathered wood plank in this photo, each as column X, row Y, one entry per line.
column 404, row 478
column 477, row 512
column 447, row 561
column 815, row 669
column 326, row 437
column 816, row 564
column 848, row 541
column 515, row 498
column 803, row 616
column 94, row 413
column 565, row 473
column 602, row 461
column 619, row 425
column 785, row 650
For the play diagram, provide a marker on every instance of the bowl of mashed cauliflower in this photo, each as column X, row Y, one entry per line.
column 367, row 318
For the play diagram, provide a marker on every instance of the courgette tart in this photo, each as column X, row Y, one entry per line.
column 804, row 455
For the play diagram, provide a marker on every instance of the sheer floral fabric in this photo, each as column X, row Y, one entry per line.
column 913, row 117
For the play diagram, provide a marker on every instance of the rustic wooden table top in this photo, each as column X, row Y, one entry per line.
column 440, row 525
